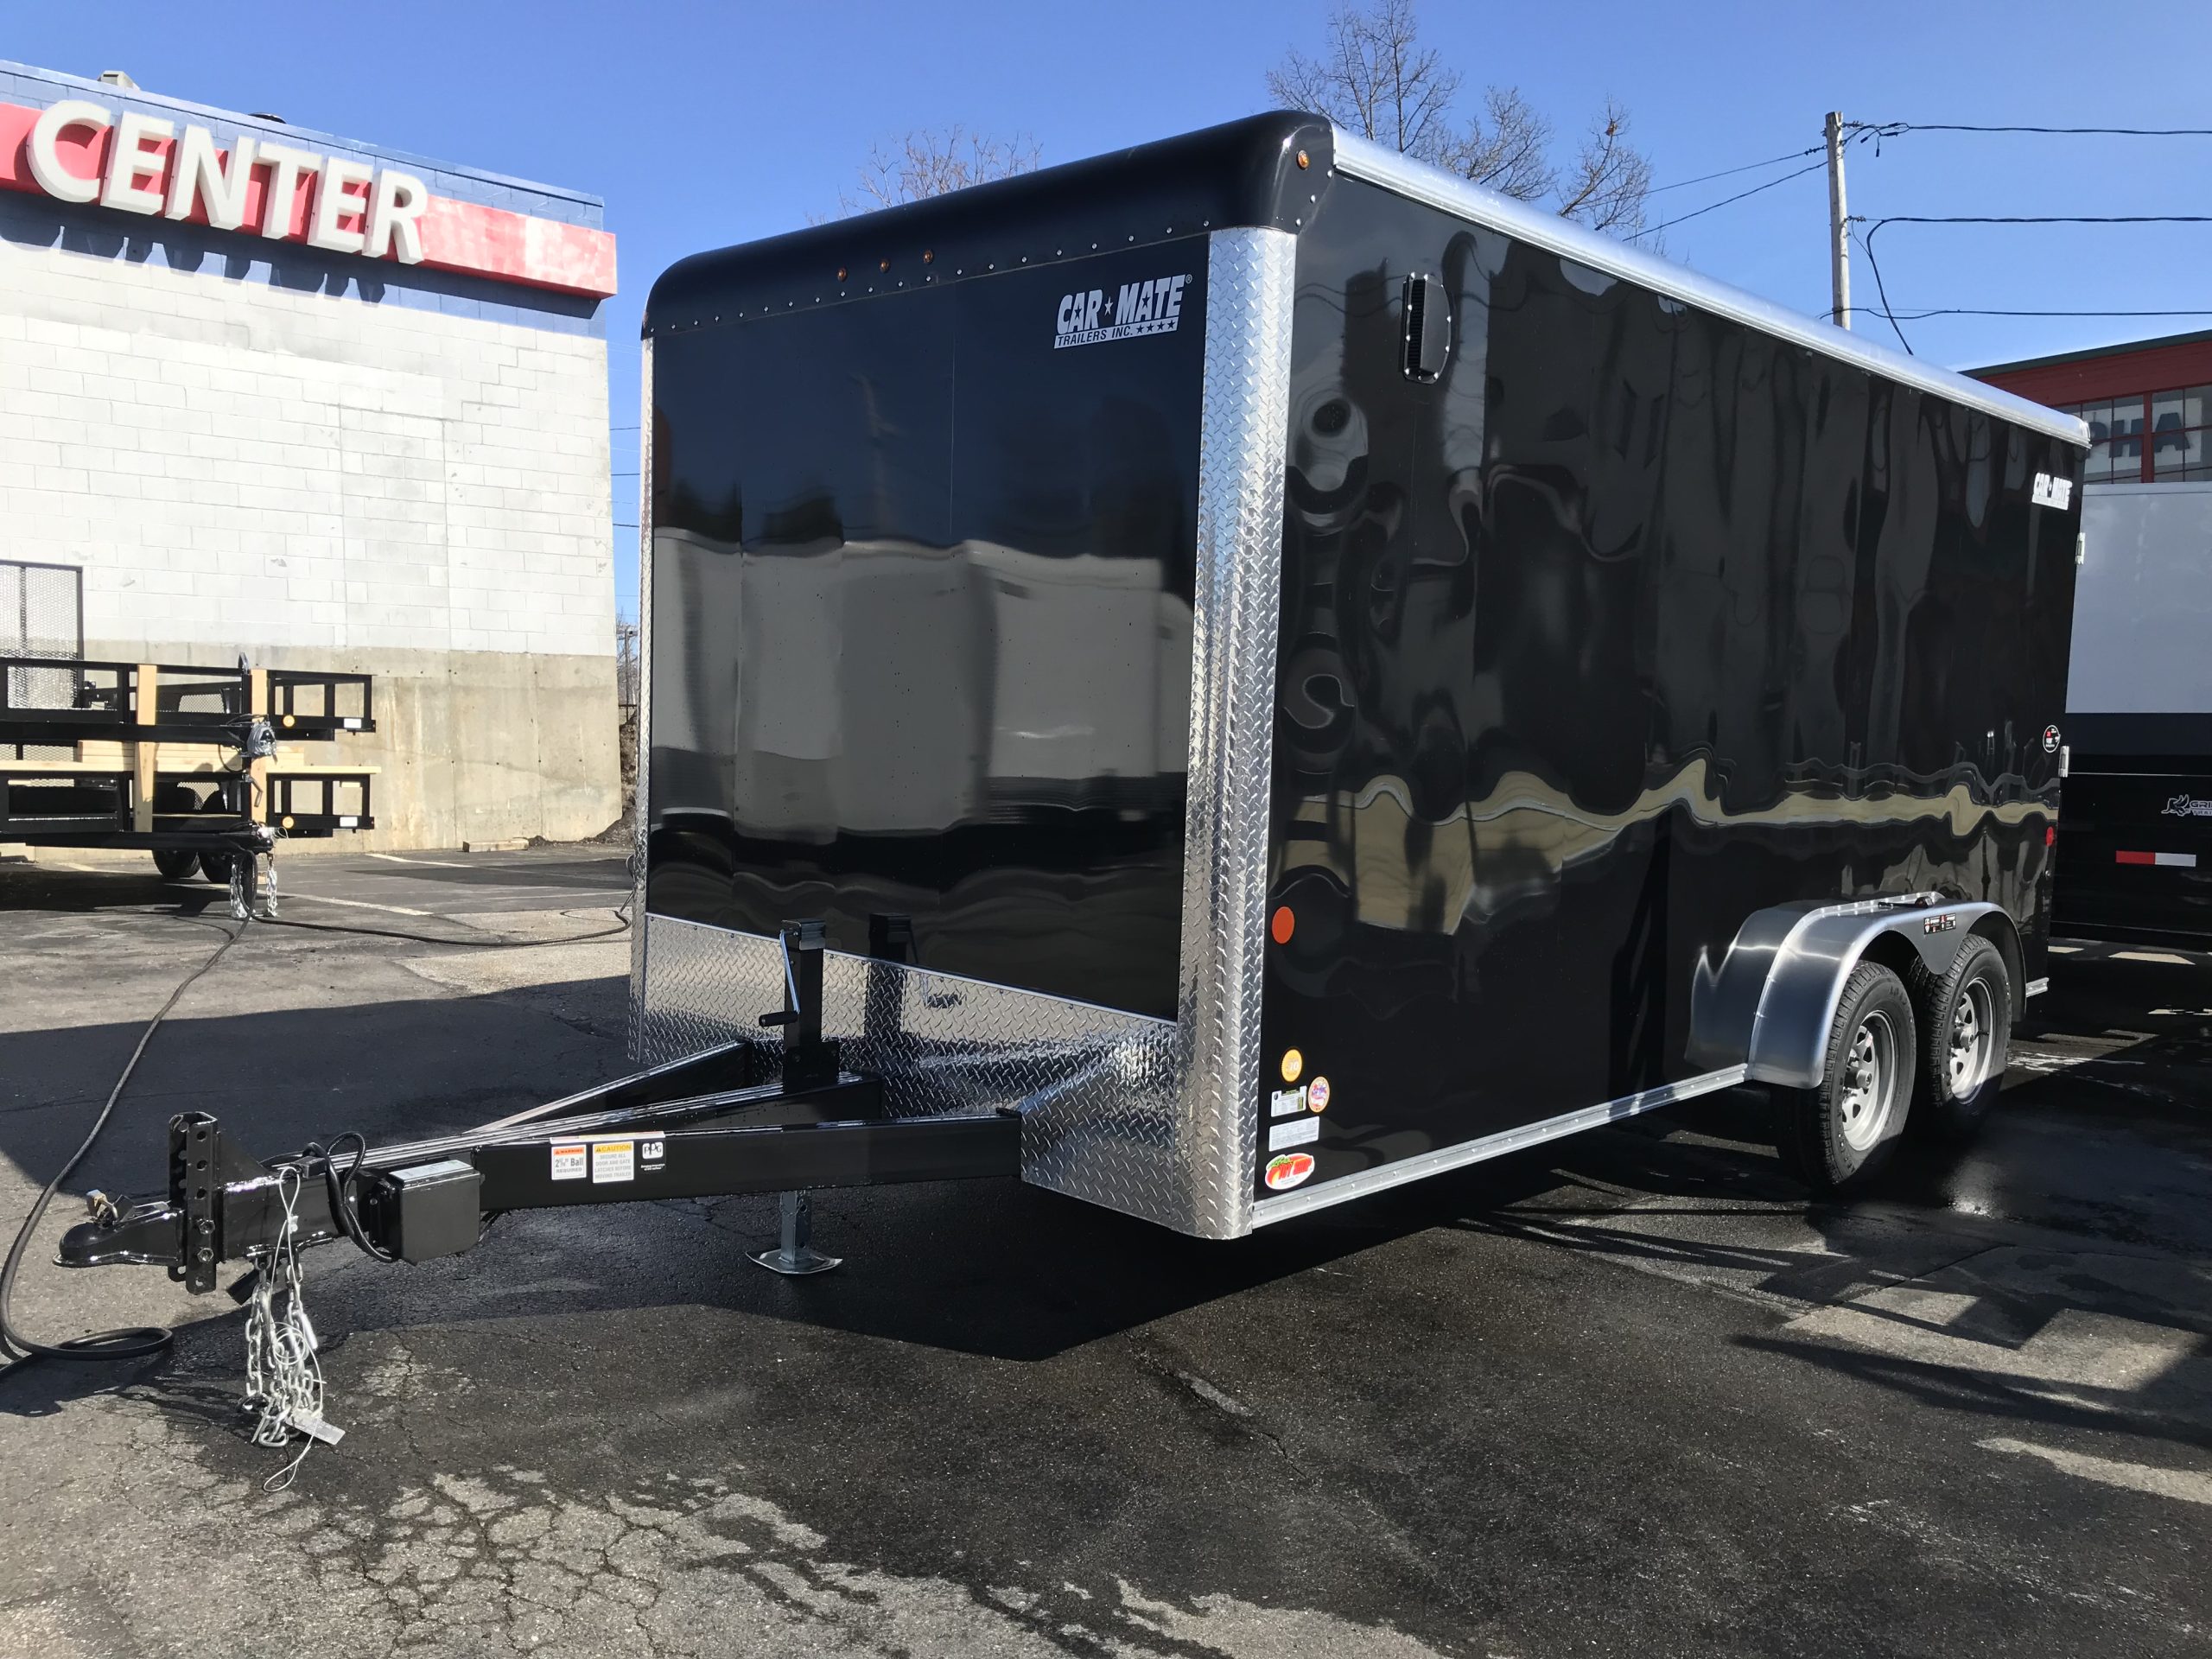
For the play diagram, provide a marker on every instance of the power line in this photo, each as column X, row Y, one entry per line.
column 1881, row 289
column 1892, row 128
column 1979, row 311
column 2041, row 218
column 1726, row 172
column 1866, row 241
column 1700, row 211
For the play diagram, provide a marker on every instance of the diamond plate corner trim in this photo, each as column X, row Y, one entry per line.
column 641, row 825
column 1243, row 443
column 940, row 1043
column 1156, row 1118
column 1194, row 1172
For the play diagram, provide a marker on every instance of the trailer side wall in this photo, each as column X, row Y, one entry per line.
column 1635, row 621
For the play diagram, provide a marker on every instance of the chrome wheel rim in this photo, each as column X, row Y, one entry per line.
column 1973, row 1039
column 1870, row 1070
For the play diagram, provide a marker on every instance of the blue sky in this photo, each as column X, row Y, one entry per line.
column 703, row 124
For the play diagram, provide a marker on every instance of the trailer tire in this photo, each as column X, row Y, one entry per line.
column 1966, row 1019
column 175, row 865
column 216, row 867
column 1837, row 1134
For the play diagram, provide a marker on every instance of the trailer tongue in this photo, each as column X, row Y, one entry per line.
column 707, row 1126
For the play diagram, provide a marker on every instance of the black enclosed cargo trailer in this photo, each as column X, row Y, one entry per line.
column 2135, row 849
column 1243, row 672
column 1336, row 670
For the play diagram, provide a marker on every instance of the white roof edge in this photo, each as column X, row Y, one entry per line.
column 1362, row 158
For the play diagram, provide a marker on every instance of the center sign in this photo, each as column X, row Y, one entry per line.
column 79, row 151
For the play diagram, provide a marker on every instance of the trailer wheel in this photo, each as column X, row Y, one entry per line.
column 1966, row 1022
column 174, row 866
column 1839, row 1134
column 216, row 867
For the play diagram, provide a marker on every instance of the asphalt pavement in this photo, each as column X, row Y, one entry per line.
column 1631, row 1393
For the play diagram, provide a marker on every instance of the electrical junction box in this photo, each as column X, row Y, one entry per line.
column 431, row 1210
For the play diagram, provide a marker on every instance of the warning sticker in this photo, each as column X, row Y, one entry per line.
column 568, row 1160
column 1296, row 1133
column 614, row 1161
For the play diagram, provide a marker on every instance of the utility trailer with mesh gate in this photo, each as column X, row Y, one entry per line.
column 1237, row 674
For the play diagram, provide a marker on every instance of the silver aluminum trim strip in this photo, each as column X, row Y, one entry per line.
column 1348, row 1187
column 2037, row 987
column 1362, row 158
column 641, row 824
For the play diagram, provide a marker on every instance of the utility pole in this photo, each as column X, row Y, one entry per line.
column 1839, row 227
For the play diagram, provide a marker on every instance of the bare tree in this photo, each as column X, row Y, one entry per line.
column 1606, row 185
column 1374, row 76
column 930, row 161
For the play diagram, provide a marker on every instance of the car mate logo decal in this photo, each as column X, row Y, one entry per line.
column 2182, row 807
column 1098, row 314
column 1287, row 1171
column 2053, row 491
column 1317, row 1094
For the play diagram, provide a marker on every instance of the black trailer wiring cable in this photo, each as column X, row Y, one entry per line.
column 132, row 1342
column 341, row 1189
column 622, row 926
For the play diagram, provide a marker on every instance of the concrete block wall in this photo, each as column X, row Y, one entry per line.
column 256, row 447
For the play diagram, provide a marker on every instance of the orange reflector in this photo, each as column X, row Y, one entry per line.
column 2051, row 836
column 1280, row 925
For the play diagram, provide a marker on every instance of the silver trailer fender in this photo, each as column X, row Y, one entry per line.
column 1769, row 1004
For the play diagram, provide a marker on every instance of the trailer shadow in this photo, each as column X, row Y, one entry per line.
column 2058, row 1273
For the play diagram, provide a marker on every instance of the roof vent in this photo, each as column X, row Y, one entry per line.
column 118, row 78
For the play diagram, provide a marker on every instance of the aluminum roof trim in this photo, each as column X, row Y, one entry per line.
column 1362, row 158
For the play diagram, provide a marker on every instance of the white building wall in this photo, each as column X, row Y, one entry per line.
column 236, row 465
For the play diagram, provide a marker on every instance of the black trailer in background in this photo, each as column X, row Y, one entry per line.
column 2135, row 843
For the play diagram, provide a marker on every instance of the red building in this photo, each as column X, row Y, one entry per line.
column 2148, row 404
